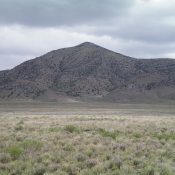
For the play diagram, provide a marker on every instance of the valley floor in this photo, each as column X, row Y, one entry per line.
column 86, row 139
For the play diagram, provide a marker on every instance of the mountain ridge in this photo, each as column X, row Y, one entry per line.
column 90, row 71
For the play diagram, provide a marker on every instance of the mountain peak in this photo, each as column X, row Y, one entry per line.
column 87, row 44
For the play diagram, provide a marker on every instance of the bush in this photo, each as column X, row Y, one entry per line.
column 68, row 147
column 39, row 170
column 81, row 157
column 71, row 128
column 105, row 133
column 70, row 169
column 116, row 163
column 19, row 126
column 91, row 163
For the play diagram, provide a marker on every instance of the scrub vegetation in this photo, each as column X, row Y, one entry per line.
column 87, row 145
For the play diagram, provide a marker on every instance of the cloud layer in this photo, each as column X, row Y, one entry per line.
column 139, row 28
column 60, row 12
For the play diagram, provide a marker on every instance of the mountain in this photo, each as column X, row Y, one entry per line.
column 89, row 71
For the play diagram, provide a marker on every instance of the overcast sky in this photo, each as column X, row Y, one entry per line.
column 138, row 28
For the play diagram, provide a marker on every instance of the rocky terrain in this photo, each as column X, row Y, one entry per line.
column 88, row 71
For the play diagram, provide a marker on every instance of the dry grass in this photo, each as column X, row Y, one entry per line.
column 86, row 145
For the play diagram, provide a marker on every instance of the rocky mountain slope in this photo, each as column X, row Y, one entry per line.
column 90, row 71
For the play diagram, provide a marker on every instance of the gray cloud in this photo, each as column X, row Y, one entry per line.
column 60, row 12
column 141, row 30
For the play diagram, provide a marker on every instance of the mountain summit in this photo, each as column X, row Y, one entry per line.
column 90, row 71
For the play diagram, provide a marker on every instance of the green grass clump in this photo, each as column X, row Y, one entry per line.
column 165, row 136
column 105, row 133
column 137, row 135
column 149, row 170
column 166, row 171
column 68, row 147
column 15, row 151
column 54, row 129
column 71, row 128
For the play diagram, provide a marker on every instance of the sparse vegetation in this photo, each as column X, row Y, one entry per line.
column 87, row 145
